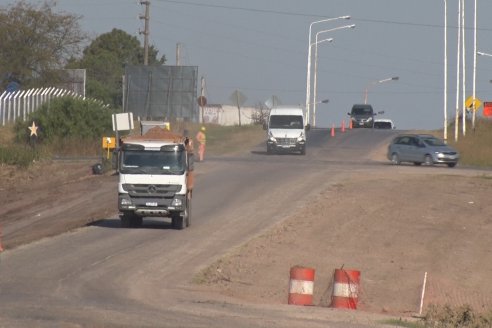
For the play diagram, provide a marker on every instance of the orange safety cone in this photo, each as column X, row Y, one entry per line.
column 343, row 126
column 333, row 130
column 350, row 125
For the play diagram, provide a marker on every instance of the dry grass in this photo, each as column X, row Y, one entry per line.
column 475, row 147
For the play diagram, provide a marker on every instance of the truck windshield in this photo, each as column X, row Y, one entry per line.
column 153, row 162
column 286, row 122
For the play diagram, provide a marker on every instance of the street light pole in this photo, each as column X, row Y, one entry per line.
column 395, row 78
column 474, row 65
column 445, row 70
column 308, row 82
column 315, row 86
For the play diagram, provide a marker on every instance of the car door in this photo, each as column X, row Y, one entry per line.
column 415, row 150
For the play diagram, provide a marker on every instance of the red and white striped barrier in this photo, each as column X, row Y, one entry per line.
column 345, row 289
column 301, row 286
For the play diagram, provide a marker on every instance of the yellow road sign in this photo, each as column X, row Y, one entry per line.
column 474, row 104
column 109, row 142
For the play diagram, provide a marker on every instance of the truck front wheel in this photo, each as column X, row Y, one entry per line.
column 130, row 220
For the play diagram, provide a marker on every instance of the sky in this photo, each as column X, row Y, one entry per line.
column 260, row 47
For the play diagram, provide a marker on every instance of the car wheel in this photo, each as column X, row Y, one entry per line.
column 303, row 151
column 395, row 159
column 417, row 163
column 451, row 164
column 428, row 160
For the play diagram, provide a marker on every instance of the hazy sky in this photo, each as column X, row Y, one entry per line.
column 260, row 48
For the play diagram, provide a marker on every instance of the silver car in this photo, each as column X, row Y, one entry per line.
column 421, row 149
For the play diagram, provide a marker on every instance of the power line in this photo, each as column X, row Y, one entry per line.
column 287, row 13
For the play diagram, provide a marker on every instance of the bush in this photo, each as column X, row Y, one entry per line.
column 67, row 118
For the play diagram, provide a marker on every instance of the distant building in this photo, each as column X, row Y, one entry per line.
column 226, row 115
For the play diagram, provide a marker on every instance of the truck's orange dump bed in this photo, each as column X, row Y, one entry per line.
column 157, row 133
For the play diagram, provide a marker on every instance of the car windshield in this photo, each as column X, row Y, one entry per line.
column 152, row 162
column 432, row 141
column 361, row 111
column 286, row 122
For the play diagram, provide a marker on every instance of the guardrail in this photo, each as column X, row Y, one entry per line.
column 19, row 104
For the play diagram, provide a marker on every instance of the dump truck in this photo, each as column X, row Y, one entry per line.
column 155, row 177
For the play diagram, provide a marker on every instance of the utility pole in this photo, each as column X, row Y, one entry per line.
column 178, row 54
column 146, row 17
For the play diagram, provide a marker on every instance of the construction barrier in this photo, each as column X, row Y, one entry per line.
column 345, row 289
column 301, row 286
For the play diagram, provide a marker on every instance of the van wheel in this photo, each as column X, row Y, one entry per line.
column 303, row 151
column 428, row 160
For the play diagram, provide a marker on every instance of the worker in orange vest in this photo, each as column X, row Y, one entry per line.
column 201, row 138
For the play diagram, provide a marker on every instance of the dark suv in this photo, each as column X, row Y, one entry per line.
column 362, row 116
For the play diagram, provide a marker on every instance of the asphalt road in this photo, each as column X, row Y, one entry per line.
column 103, row 275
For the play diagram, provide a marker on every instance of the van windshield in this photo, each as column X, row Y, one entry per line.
column 286, row 122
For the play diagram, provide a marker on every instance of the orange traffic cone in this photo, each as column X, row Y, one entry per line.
column 333, row 130
column 350, row 125
column 343, row 126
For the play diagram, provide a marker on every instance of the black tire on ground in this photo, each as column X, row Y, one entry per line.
column 178, row 222
column 136, row 221
column 303, row 151
column 395, row 159
column 417, row 163
column 188, row 213
column 451, row 164
column 126, row 219
column 428, row 160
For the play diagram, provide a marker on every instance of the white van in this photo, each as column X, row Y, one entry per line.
column 286, row 130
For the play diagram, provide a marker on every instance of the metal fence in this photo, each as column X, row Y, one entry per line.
column 19, row 104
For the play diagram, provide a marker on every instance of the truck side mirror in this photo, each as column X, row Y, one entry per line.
column 191, row 162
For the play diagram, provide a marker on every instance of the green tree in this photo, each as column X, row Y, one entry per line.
column 105, row 59
column 36, row 42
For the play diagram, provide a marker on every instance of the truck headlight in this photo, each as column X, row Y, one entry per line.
column 271, row 137
column 125, row 202
column 177, row 202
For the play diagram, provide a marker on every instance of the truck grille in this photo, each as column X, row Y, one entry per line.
column 150, row 190
column 286, row 141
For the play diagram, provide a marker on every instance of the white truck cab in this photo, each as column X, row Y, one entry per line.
column 286, row 130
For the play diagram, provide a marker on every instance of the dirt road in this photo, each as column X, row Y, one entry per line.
column 393, row 224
